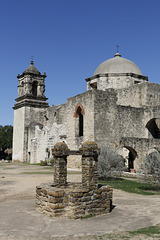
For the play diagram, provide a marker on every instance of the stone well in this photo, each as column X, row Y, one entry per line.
column 74, row 200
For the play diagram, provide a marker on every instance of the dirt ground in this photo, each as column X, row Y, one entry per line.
column 19, row 220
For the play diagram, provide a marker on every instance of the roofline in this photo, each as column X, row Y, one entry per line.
column 116, row 74
column 32, row 74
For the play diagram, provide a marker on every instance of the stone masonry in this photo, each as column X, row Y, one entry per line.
column 74, row 200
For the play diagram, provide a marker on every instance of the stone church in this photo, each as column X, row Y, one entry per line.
column 120, row 110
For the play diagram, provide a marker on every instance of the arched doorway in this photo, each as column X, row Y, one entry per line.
column 129, row 155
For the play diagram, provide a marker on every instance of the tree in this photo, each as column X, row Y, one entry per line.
column 6, row 135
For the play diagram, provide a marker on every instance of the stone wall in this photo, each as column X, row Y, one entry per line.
column 25, row 118
column 18, row 135
column 74, row 201
column 142, row 146
column 139, row 95
column 114, row 81
column 87, row 102
column 113, row 121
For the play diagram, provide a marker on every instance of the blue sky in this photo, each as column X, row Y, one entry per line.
column 69, row 39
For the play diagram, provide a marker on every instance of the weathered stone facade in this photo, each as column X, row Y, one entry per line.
column 119, row 104
column 75, row 200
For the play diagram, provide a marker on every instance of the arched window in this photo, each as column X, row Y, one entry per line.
column 34, row 88
column 79, row 115
column 79, row 112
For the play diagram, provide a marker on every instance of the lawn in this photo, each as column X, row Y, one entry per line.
column 131, row 186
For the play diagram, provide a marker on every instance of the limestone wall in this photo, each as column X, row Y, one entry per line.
column 86, row 100
column 18, row 134
column 115, row 81
column 139, row 95
column 113, row 122
column 142, row 146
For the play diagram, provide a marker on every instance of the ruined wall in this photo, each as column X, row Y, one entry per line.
column 34, row 117
column 139, row 95
column 142, row 146
column 87, row 101
column 24, row 117
column 47, row 128
column 113, row 122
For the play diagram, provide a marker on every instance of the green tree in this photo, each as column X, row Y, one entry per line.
column 6, row 135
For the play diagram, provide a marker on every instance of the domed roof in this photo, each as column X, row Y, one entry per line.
column 118, row 65
column 32, row 69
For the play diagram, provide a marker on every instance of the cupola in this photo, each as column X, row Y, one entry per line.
column 116, row 73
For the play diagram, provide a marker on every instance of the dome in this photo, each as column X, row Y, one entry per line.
column 32, row 69
column 118, row 65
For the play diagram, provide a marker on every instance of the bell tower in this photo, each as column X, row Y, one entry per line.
column 29, row 106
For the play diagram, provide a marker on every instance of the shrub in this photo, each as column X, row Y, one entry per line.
column 152, row 165
column 43, row 163
column 110, row 163
column 9, row 158
column 52, row 161
column 47, row 149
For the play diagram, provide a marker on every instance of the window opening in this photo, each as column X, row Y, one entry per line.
column 94, row 85
column 79, row 120
column 80, row 124
column 136, row 82
column 34, row 88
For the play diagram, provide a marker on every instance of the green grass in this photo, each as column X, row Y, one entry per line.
column 49, row 167
column 74, row 172
column 37, row 164
column 149, row 231
column 88, row 216
column 37, row 172
column 3, row 164
column 131, row 186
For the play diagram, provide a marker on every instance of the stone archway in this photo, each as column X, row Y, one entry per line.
column 130, row 155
